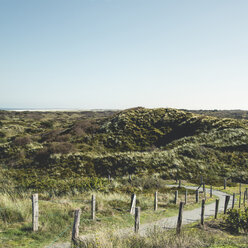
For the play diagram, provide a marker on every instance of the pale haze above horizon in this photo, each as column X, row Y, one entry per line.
column 117, row 54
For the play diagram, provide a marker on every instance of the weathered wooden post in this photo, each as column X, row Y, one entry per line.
column 180, row 218
column 201, row 180
column 224, row 183
column 203, row 187
column 197, row 196
column 93, row 207
column 240, row 199
column 211, row 191
column 216, row 208
column 35, row 212
column 129, row 178
column 244, row 198
column 109, row 178
column 156, row 201
column 133, row 204
column 137, row 219
column 176, row 196
column 180, row 183
column 202, row 212
column 240, row 185
column 226, row 203
column 75, row 228
column 233, row 201
column 185, row 200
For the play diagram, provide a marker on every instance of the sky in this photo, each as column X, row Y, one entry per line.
column 117, row 54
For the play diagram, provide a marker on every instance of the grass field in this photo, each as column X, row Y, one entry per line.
column 56, row 214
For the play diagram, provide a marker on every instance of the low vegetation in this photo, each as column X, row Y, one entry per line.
column 66, row 150
column 67, row 156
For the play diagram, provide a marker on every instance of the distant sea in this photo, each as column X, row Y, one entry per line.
column 54, row 109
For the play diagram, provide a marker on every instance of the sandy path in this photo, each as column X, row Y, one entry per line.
column 189, row 216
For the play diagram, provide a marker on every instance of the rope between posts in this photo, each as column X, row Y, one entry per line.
column 57, row 238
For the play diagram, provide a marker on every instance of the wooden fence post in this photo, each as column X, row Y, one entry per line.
column 137, row 219
column 109, row 178
column 133, row 204
column 197, row 196
column 244, row 198
column 180, row 218
column 35, row 212
column 233, row 201
column 216, row 208
column 224, row 183
column 129, row 178
column 176, row 196
column 240, row 199
column 93, row 207
column 240, row 185
column 156, row 201
column 185, row 200
column 202, row 212
column 226, row 203
column 211, row 191
column 201, row 180
column 75, row 229
column 203, row 187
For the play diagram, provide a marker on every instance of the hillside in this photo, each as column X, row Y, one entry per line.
column 58, row 149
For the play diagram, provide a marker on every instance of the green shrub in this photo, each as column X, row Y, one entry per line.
column 237, row 220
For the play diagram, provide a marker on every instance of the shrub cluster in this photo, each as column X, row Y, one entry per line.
column 237, row 220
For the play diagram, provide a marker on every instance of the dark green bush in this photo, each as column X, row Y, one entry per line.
column 237, row 220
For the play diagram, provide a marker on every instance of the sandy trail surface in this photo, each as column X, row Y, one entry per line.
column 189, row 216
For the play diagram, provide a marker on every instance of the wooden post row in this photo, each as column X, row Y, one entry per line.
column 35, row 212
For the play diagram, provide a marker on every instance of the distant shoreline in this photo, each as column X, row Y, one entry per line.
column 55, row 110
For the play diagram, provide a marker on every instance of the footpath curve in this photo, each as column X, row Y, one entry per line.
column 189, row 216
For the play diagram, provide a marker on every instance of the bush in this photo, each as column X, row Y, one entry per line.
column 61, row 147
column 22, row 141
column 237, row 220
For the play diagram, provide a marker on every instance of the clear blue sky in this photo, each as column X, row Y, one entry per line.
column 124, row 53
